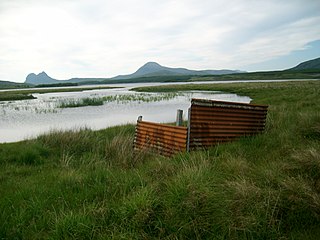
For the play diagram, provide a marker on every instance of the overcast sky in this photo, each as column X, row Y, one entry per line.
column 104, row 38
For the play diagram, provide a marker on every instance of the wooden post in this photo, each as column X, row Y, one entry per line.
column 189, row 128
column 139, row 118
column 179, row 117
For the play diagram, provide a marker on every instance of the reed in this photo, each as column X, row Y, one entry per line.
column 82, row 102
column 119, row 99
column 140, row 97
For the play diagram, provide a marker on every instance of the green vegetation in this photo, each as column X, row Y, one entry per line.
column 253, row 89
column 26, row 93
column 15, row 96
column 271, row 75
column 12, row 85
column 311, row 64
column 91, row 184
column 182, row 78
column 58, row 85
column 82, row 102
column 142, row 97
column 96, row 101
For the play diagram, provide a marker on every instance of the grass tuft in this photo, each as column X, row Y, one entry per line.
column 73, row 225
column 82, row 102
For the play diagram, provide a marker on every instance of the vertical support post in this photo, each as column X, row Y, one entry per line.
column 179, row 117
column 189, row 128
column 136, row 133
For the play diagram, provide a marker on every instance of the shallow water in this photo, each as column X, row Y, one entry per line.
column 26, row 119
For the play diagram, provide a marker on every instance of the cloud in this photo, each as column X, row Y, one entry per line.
column 97, row 38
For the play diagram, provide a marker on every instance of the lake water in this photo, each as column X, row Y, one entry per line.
column 26, row 119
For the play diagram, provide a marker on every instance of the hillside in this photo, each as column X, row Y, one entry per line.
column 154, row 69
column 308, row 65
column 9, row 85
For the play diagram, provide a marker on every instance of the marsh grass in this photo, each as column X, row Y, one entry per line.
column 141, row 97
column 119, row 99
column 23, row 94
column 82, row 102
column 86, row 184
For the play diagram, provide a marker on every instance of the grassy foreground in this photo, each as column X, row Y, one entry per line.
column 91, row 185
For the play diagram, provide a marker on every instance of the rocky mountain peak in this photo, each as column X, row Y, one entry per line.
column 41, row 78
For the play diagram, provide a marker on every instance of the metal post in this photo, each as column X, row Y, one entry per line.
column 179, row 117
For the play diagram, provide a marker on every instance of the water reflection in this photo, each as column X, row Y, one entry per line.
column 29, row 118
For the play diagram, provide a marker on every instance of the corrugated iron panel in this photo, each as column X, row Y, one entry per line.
column 161, row 138
column 213, row 122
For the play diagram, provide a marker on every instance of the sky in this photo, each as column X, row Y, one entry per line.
column 105, row 38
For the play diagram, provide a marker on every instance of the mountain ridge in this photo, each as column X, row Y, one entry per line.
column 41, row 78
column 310, row 64
column 151, row 69
column 148, row 70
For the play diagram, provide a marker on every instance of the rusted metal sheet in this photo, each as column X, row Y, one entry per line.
column 163, row 139
column 210, row 122
column 213, row 122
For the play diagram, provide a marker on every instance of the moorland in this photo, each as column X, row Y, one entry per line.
column 86, row 184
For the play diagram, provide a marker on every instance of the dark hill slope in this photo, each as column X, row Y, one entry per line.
column 308, row 65
column 9, row 85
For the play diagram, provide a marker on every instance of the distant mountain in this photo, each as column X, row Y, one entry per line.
column 308, row 65
column 151, row 69
column 41, row 78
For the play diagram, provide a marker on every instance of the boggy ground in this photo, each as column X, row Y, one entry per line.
column 91, row 184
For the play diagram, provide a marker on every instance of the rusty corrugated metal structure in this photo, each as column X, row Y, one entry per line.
column 210, row 123
column 213, row 122
column 163, row 139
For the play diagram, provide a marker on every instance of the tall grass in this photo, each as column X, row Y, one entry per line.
column 123, row 99
column 82, row 102
column 140, row 97
column 86, row 184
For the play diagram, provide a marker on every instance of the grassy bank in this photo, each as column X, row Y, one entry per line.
column 13, row 95
column 91, row 185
